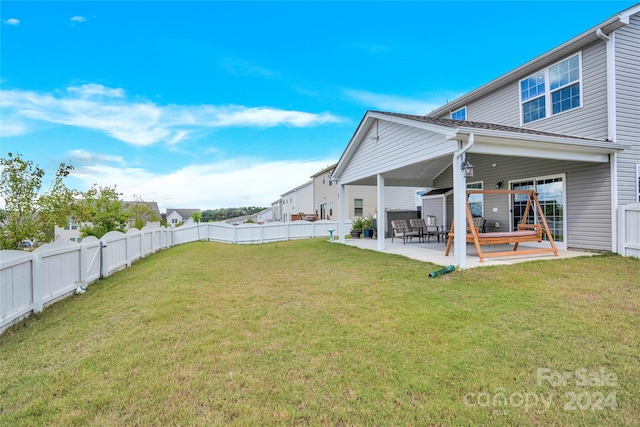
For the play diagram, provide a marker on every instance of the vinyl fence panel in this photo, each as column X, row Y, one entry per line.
column 59, row 269
column 114, row 252
column 629, row 230
column 16, row 290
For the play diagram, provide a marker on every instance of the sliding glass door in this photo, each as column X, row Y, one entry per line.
column 551, row 195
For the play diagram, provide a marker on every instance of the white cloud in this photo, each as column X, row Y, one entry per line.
column 394, row 103
column 142, row 123
column 12, row 21
column 238, row 182
column 78, row 18
column 93, row 89
column 85, row 156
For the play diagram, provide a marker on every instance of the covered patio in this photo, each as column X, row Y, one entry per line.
column 390, row 149
column 434, row 252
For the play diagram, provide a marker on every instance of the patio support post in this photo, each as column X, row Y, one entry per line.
column 341, row 213
column 459, row 206
column 380, row 215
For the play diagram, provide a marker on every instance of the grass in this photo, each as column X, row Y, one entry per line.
column 307, row 332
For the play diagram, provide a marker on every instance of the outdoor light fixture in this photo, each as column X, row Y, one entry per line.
column 499, row 184
column 468, row 169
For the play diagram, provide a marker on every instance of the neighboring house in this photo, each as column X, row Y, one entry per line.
column 565, row 124
column 153, row 217
column 265, row 215
column 276, row 208
column 177, row 217
column 297, row 201
column 71, row 230
column 361, row 200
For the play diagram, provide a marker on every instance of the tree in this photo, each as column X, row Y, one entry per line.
column 196, row 216
column 139, row 212
column 29, row 214
column 101, row 206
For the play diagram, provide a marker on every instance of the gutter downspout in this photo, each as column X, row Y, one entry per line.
column 612, row 131
column 459, row 205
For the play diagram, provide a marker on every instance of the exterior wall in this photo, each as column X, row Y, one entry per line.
column 276, row 207
column 298, row 200
column 61, row 233
column 628, row 108
column 589, row 121
column 401, row 197
column 325, row 192
column 435, row 206
column 265, row 216
column 587, row 193
column 174, row 215
column 383, row 155
column 369, row 196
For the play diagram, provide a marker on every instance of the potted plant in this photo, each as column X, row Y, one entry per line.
column 367, row 226
column 357, row 227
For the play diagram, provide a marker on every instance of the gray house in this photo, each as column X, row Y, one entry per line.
column 566, row 124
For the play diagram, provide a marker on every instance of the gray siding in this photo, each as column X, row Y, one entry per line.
column 503, row 105
column 432, row 206
column 587, row 186
column 401, row 197
column 627, row 41
column 398, row 145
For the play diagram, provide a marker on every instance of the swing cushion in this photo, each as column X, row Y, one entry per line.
column 507, row 234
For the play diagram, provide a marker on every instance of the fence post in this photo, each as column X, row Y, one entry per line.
column 104, row 268
column 36, row 282
column 128, row 249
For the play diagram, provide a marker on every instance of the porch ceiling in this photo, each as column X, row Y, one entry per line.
column 419, row 174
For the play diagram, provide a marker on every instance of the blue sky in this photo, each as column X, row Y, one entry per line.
column 217, row 104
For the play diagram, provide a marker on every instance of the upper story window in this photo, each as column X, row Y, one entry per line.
column 552, row 90
column 460, row 114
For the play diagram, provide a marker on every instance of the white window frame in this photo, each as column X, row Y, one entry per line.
column 355, row 207
column 561, row 245
column 548, row 103
column 481, row 195
column 459, row 110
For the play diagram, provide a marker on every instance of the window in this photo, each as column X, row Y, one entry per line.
column 357, row 207
column 460, row 114
column 476, row 201
column 551, row 196
column 71, row 225
column 552, row 91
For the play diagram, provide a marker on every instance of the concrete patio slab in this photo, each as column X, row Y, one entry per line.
column 434, row 252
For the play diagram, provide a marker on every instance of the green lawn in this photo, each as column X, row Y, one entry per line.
column 309, row 332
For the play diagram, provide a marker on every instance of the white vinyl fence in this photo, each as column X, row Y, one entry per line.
column 629, row 230
column 31, row 280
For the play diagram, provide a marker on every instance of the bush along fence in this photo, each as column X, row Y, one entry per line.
column 29, row 281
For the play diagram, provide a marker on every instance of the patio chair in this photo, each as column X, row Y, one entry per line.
column 401, row 229
column 424, row 233
column 478, row 223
